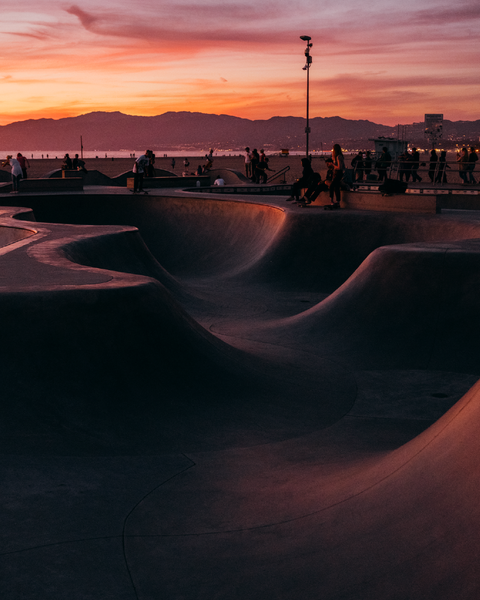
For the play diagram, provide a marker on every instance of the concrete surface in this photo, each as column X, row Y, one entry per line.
column 239, row 399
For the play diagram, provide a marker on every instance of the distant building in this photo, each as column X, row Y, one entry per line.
column 394, row 145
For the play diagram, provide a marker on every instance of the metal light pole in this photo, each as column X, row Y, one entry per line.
column 308, row 62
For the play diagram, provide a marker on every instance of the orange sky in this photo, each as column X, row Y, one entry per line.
column 387, row 62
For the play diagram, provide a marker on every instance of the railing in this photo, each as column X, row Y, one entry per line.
column 278, row 174
column 437, row 172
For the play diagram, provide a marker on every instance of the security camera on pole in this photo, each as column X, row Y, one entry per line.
column 308, row 62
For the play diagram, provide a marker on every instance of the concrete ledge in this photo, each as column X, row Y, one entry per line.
column 464, row 201
column 70, row 174
column 51, row 185
column 170, row 182
column 418, row 204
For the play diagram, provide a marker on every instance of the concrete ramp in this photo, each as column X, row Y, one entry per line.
column 217, row 399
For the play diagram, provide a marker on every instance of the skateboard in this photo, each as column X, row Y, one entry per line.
column 142, row 191
column 335, row 206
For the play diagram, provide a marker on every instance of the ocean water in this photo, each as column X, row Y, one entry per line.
column 59, row 154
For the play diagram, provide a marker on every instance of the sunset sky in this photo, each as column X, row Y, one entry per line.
column 390, row 62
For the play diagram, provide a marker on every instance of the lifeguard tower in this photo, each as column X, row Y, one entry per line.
column 395, row 146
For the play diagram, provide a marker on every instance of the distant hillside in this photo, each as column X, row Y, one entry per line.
column 107, row 131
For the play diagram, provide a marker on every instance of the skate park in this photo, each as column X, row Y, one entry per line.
column 232, row 397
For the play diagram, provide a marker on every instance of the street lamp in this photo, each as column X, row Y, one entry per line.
column 308, row 62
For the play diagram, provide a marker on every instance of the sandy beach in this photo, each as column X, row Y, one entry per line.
column 116, row 166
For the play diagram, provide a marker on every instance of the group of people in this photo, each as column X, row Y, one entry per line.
column 18, row 169
column 362, row 164
column 77, row 164
column 466, row 164
column 313, row 184
column 256, row 165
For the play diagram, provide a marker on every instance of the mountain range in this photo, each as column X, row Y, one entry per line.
column 108, row 131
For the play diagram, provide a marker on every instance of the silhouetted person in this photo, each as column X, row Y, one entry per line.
column 442, row 168
column 255, row 161
column 383, row 164
column 248, row 163
column 67, row 163
column 367, row 164
column 24, row 164
column 79, row 164
column 415, row 164
column 357, row 164
column 303, row 182
column 472, row 159
column 462, row 159
column 403, row 167
column 432, row 166
column 262, row 168
column 338, row 171
column 150, row 172
column 139, row 169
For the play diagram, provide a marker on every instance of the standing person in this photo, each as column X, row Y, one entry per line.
column 367, row 164
column 442, row 168
column 15, row 170
column 415, row 158
column 383, row 164
column 303, row 182
column 462, row 159
column 248, row 163
column 24, row 164
column 255, row 161
column 262, row 168
column 357, row 164
column 432, row 167
column 338, row 171
column 139, row 169
column 173, row 163
column 402, row 167
column 472, row 159
column 150, row 172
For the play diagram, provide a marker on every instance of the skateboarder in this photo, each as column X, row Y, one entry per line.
column 139, row 169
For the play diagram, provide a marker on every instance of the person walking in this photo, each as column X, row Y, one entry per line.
column 472, row 159
column 432, row 167
column 462, row 160
column 442, row 168
column 383, row 164
column 415, row 158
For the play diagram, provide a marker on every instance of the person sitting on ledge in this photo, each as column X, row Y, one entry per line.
column 78, row 164
column 303, row 182
column 67, row 163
